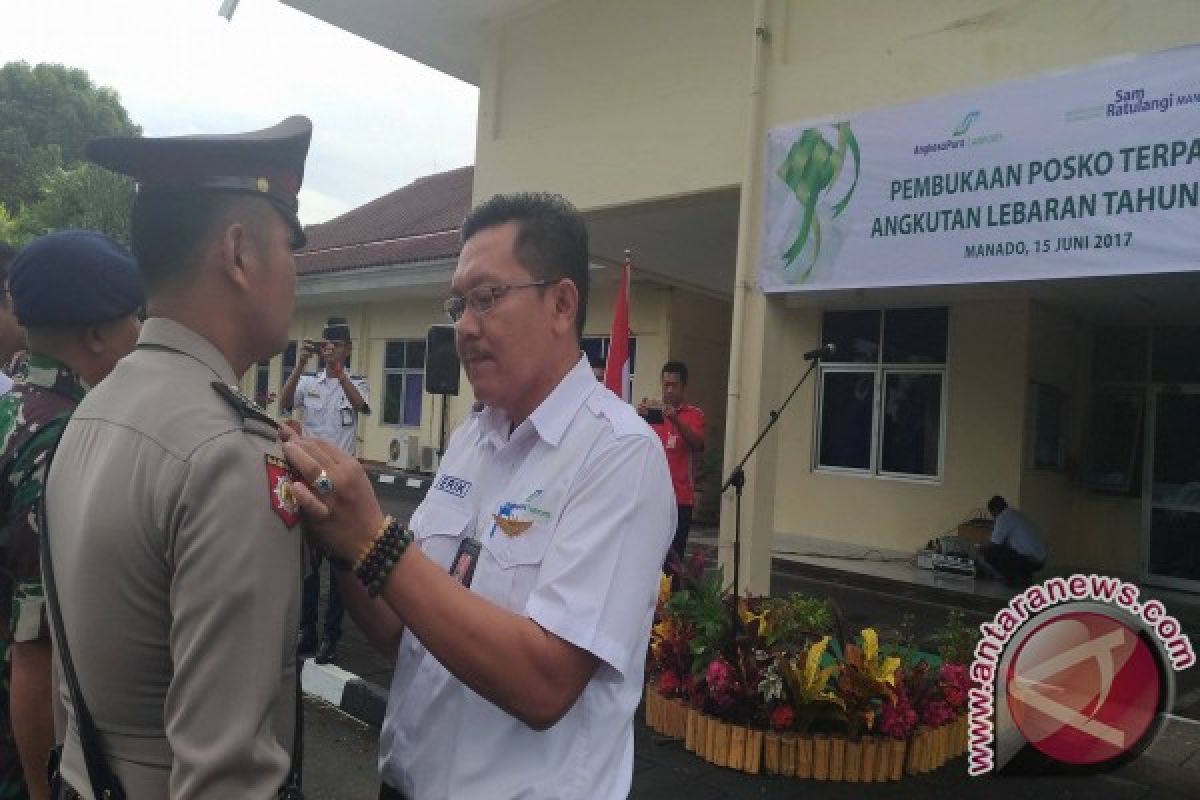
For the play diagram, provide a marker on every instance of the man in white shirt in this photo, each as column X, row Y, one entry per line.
column 328, row 405
column 521, row 612
column 1016, row 550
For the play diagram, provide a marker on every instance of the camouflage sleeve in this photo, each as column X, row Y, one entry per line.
column 28, row 479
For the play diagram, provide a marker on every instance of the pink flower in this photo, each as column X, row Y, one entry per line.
column 719, row 675
column 668, row 682
column 956, row 683
column 720, row 679
column 782, row 718
column 936, row 713
column 899, row 719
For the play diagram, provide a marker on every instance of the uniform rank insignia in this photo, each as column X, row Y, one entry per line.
column 279, row 484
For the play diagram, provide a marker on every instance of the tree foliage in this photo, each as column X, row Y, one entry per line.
column 47, row 115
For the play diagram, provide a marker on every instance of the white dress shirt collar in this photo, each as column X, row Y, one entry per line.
column 552, row 416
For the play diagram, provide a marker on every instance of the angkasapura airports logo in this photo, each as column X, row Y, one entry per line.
column 966, row 124
column 959, row 139
column 1074, row 675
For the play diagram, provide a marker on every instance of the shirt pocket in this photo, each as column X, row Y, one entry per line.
column 312, row 402
column 510, row 566
column 526, row 549
column 437, row 530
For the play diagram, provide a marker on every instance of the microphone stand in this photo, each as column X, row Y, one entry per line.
column 737, row 479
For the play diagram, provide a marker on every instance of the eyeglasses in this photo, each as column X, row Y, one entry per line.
column 481, row 299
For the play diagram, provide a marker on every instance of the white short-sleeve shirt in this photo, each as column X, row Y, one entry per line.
column 575, row 512
column 1015, row 530
column 327, row 413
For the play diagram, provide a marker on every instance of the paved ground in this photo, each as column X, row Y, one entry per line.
column 339, row 755
column 341, row 750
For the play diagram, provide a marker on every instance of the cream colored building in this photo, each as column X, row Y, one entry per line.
column 386, row 266
column 651, row 117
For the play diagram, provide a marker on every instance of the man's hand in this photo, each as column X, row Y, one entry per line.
column 643, row 407
column 305, row 354
column 669, row 411
column 344, row 521
column 295, row 426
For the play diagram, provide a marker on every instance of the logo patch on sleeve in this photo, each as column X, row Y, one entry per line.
column 279, row 486
column 452, row 485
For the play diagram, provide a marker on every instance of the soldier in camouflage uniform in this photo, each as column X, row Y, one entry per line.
column 78, row 294
column 12, row 338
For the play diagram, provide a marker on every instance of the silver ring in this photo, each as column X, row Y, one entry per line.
column 323, row 484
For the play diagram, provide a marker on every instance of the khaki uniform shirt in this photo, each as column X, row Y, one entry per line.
column 177, row 555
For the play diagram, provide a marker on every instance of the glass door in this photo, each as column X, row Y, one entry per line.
column 1172, row 488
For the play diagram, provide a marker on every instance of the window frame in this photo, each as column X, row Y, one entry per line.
column 1038, row 390
column 880, row 370
column 606, row 342
column 404, row 371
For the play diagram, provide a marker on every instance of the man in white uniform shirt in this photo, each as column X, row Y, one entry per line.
column 328, row 405
column 521, row 613
column 1016, row 550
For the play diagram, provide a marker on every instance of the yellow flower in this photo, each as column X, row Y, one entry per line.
column 810, row 683
column 760, row 620
column 882, row 670
column 664, row 590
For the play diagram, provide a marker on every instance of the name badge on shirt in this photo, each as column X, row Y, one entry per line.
column 462, row 568
column 347, row 417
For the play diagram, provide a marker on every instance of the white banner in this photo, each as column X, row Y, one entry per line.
column 1086, row 173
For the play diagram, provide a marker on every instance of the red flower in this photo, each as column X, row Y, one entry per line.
column 899, row 719
column 936, row 713
column 782, row 718
column 668, row 682
column 956, row 683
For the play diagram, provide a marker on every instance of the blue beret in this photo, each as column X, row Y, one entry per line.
column 74, row 278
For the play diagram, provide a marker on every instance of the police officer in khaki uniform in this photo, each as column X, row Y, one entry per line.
column 173, row 531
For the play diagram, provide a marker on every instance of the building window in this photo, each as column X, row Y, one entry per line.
column 262, row 386
column 1048, row 445
column 882, row 396
column 403, row 382
column 289, row 361
column 597, row 347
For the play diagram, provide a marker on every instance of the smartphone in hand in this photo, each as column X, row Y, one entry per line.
column 654, row 416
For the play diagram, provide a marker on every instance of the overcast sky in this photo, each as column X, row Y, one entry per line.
column 380, row 120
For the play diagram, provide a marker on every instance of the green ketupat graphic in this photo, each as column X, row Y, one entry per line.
column 812, row 167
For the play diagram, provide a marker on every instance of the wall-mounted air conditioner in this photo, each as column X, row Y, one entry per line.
column 428, row 459
column 404, row 452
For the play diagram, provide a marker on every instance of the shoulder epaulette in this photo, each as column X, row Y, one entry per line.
column 254, row 416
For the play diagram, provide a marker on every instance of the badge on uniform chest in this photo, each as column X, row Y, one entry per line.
column 462, row 568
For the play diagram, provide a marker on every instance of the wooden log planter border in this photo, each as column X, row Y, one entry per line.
column 822, row 757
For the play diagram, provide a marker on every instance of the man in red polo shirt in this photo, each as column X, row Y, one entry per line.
column 680, row 426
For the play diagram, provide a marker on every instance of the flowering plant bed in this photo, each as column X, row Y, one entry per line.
column 785, row 691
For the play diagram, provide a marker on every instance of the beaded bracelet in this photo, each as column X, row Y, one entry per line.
column 374, row 566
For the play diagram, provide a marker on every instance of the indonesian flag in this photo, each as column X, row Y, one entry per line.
column 616, row 369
